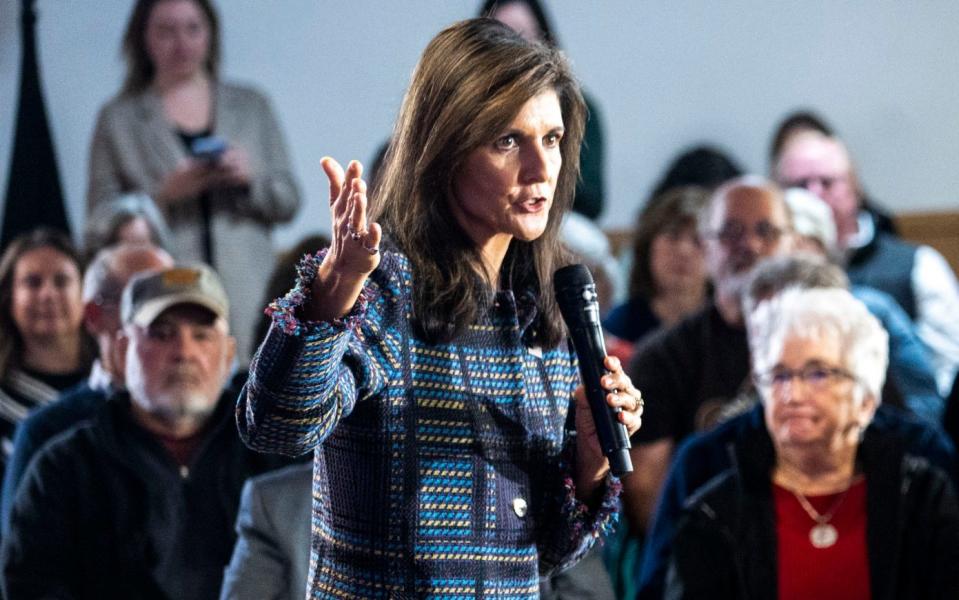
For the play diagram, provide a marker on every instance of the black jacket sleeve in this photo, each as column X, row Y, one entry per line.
column 39, row 556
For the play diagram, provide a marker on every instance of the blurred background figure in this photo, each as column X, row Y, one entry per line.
column 690, row 371
column 817, row 504
column 704, row 455
column 209, row 153
column 703, row 166
column 911, row 382
column 283, row 277
column 813, row 222
column 528, row 18
column 668, row 279
column 917, row 277
column 150, row 484
column 271, row 558
column 128, row 219
column 590, row 246
column 43, row 348
column 808, row 121
column 103, row 283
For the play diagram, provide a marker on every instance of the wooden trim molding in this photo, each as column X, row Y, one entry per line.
column 937, row 229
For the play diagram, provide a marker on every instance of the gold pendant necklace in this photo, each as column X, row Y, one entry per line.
column 823, row 534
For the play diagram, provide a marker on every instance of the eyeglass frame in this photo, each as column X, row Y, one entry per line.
column 826, row 181
column 806, row 374
column 733, row 234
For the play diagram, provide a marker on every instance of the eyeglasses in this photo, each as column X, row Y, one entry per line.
column 825, row 182
column 814, row 376
column 733, row 234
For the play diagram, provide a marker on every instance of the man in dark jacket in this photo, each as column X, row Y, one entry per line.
column 140, row 501
column 103, row 282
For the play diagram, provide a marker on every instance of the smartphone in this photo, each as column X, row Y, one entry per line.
column 208, row 149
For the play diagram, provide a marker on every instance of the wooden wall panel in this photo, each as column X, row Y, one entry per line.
column 939, row 230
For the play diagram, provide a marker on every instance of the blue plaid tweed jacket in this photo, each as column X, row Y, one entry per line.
column 440, row 471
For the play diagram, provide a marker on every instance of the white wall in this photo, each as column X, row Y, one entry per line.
column 666, row 75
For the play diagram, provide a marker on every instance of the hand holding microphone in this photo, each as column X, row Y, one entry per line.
column 615, row 405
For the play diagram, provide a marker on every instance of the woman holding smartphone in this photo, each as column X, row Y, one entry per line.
column 209, row 153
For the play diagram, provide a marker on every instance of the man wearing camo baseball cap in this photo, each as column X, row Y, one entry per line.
column 149, row 294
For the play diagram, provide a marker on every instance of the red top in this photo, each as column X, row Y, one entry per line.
column 840, row 571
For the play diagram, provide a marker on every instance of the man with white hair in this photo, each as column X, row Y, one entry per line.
column 140, row 500
column 688, row 372
column 918, row 277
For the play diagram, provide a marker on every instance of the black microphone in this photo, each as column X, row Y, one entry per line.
column 576, row 296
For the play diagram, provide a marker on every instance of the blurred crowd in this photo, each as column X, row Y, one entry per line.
column 797, row 359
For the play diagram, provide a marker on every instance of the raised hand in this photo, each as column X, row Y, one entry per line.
column 355, row 242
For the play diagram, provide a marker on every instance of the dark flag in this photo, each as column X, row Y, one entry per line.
column 34, row 196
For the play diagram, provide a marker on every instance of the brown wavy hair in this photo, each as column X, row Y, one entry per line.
column 472, row 80
column 11, row 342
column 672, row 210
column 140, row 69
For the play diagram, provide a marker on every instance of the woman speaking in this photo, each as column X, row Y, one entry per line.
column 429, row 370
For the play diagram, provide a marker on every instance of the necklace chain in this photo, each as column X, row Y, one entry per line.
column 813, row 513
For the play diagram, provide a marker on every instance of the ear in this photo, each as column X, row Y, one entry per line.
column 92, row 317
column 230, row 350
column 119, row 357
column 867, row 408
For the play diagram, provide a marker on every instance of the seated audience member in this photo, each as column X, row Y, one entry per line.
column 140, row 501
column 271, row 558
column 703, row 456
column 590, row 246
column 910, row 381
column 128, row 219
column 43, row 348
column 950, row 421
column 689, row 371
column 804, row 121
column 816, row 504
column 918, row 277
column 701, row 166
column 668, row 279
column 103, row 283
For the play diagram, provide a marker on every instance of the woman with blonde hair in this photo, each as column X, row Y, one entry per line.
column 208, row 152
column 429, row 371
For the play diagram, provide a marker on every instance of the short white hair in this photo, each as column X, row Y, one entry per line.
column 814, row 314
column 812, row 217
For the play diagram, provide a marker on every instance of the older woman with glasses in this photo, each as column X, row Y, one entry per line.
column 815, row 506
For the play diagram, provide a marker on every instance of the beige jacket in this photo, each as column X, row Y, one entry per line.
column 134, row 147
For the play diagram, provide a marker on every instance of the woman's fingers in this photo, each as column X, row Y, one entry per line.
column 622, row 394
column 355, row 243
column 358, row 205
column 334, row 172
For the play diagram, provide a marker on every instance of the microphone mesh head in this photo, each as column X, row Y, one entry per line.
column 576, row 276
